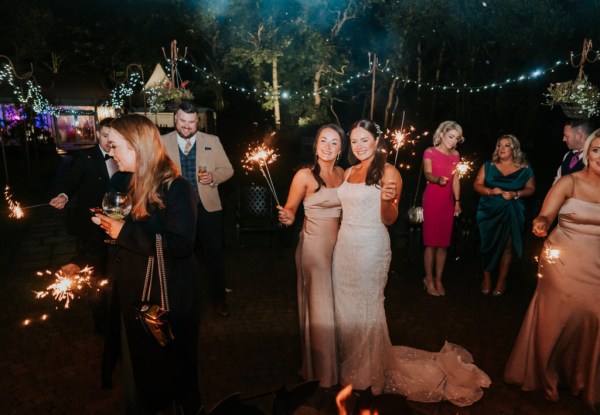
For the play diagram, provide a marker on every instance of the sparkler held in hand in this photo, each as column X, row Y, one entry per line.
column 14, row 207
column 260, row 155
column 66, row 285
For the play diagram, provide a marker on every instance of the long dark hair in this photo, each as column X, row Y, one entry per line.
column 316, row 168
column 375, row 171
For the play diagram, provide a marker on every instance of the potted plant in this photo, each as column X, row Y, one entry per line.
column 578, row 98
column 167, row 96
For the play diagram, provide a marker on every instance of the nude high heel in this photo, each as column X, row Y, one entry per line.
column 440, row 289
column 429, row 286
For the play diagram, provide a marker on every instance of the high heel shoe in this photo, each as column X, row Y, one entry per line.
column 486, row 288
column 440, row 289
column 430, row 287
column 498, row 293
column 485, row 291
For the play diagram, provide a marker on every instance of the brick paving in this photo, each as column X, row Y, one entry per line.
column 52, row 366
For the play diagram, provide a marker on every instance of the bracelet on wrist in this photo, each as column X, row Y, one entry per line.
column 457, row 201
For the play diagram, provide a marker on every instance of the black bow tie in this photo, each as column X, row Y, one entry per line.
column 106, row 156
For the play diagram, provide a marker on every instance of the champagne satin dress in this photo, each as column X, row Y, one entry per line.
column 314, row 253
column 559, row 341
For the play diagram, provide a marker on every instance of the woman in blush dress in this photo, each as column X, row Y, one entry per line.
column 502, row 182
column 316, row 187
column 559, row 341
column 369, row 196
column 441, row 202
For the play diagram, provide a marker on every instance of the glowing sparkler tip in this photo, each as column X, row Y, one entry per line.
column 13, row 206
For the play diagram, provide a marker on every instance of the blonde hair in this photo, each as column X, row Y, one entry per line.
column 443, row 128
column 588, row 143
column 153, row 167
column 518, row 156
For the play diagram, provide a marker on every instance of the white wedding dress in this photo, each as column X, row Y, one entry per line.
column 366, row 356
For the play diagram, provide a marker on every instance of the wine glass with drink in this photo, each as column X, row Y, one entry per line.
column 116, row 205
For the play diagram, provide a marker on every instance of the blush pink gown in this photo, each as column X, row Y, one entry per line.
column 314, row 253
column 438, row 201
column 559, row 341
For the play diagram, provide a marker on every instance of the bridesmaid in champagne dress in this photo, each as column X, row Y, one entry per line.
column 369, row 196
column 317, row 187
column 559, row 341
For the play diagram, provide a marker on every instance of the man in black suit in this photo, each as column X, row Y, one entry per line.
column 575, row 133
column 83, row 188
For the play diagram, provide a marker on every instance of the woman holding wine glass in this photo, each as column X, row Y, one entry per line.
column 156, row 379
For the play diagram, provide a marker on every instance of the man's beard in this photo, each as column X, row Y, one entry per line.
column 190, row 135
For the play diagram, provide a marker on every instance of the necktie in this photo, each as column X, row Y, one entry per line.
column 188, row 146
column 106, row 156
column 574, row 159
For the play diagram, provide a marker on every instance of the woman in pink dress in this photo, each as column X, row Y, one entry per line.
column 441, row 202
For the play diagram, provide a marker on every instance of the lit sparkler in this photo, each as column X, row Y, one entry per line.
column 64, row 286
column 260, row 155
column 14, row 207
column 551, row 254
column 402, row 137
column 463, row 168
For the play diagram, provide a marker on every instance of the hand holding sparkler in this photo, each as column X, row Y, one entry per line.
column 59, row 202
column 285, row 216
column 540, row 226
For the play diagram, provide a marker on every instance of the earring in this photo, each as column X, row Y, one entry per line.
column 338, row 157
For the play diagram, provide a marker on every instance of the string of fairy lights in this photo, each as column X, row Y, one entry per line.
column 118, row 94
column 533, row 75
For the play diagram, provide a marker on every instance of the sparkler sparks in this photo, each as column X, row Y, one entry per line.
column 463, row 168
column 261, row 156
column 64, row 287
column 401, row 138
column 14, row 207
column 551, row 254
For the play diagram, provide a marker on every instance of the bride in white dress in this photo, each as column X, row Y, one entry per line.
column 369, row 195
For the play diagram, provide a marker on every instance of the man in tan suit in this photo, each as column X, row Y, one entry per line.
column 191, row 149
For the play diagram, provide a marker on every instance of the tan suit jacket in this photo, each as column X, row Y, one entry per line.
column 209, row 151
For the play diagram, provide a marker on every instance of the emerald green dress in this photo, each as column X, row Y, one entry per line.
column 498, row 218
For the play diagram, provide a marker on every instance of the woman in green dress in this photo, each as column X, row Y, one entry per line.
column 502, row 182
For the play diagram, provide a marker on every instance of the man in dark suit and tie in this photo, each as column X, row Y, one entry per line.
column 575, row 132
column 83, row 187
column 189, row 149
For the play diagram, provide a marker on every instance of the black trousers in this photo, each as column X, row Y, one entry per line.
column 209, row 241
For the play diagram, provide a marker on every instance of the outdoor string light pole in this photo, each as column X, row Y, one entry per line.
column 587, row 48
column 373, row 69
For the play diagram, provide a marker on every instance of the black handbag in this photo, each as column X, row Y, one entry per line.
column 153, row 318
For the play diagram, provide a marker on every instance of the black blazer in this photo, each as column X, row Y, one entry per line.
column 85, row 184
column 160, row 372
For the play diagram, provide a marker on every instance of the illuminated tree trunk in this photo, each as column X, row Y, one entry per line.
column 316, row 84
column 276, row 95
column 388, row 106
